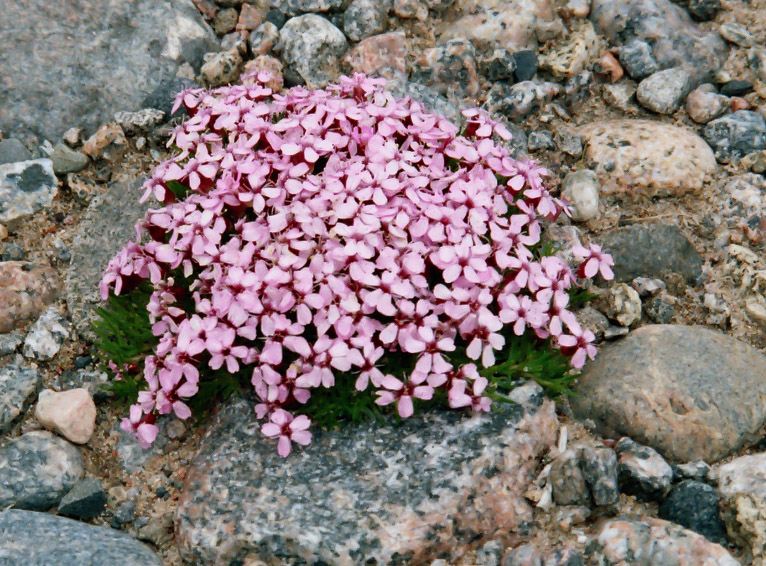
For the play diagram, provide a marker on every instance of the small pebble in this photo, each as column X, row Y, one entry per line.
column 526, row 65
column 637, row 59
column 276, row 17
column 125, row 513
column 704, row 10
column 737, row 34
column 609, row 67
column 704, row 105
column 540, row 140
column 225, row 21
column 263, row 38
column 70, row 413
column 581, row 189
column 737, row 88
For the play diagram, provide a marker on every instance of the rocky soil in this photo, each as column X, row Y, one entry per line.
column 651, row 117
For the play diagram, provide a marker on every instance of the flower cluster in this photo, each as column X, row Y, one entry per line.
column 308, row 237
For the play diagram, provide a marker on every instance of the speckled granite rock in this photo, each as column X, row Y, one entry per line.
column 647, row 158
column 40, row 539
column 736, row 135
column 36, row 470
column 364, row 18
column 449, row 69
column 689, row 392
column 664, row 91
column 26, row 187
column 380, row 55
column 571, row 56
column 108, row 56
column 293, row 7
column 742, row 483
column 47, row 335
column 504, row 23
column 25, row 290
column 643, row 472
column 654, row 542
column 17, row 388
column 436, row 485
column 311, row 46
column 652, row 250
column 106, row 227
column 599, row 467
column 666, row 27
column 695, row 506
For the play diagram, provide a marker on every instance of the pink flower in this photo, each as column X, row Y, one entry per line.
column 282, row 424
column 578, row 344
column 596, row 261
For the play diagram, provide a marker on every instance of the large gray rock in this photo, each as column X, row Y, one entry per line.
column 653, row 250
column 664, row 91
column 12, row 150
column 40, row 539
column 26, row 187
column 107, row 226
column 36, row 470
column 76, row 62
column 675, row 40
column 689, row 392
column 18, row 386
column 312, row 46
column 434, row 485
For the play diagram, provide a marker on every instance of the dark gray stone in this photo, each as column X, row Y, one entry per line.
column 540, row 140
column 13, row 252
column 568, row 481
column 704, row 10
column 498, row 65
column 569, row 143
column 12, row 150
column 659, row 310
column 698, row 471
column 674, row 38
column 106, row 227
column 599, row 468
column 735, row 135
column 652, row 250
column 40, row 539
column 101, row 58
column 664, row 91
column 312, row 46
column 10, row 342
column 637, row 59
column 36, row 470
column 26, row 187
column 365, row 493
column 18, row 386
column 125, row 513
column 526, row 65
column 689, row 392
column 520, row 99
column 694, row 505
column 276, row 17
column 643, row 472
column 364, row 18
column 736, row 88
column 67, row 160
column 84, row 501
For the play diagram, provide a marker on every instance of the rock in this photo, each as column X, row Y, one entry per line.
column 70, row 413
column 736, row 135
column 524, row 555
column 571, row 515
column 66, row 160
column 46, row 336
column 637, row 59
column 646, row 158
column 525, row 63
column 571, row 56
column 125, row 513
column 599, row 467
column 105, row 136
column 13, row 252
column 84, row 501
column 663, row 92
column 689, row 392
column 742, row 484
column 563, row 557
column 702, row 105
column 659, row 311
column 40, row 539
column 540, row 140
column 621, row 96
column 694, row 505
column 496, row 23
column 36, row 470
column 520, row 99
column 704, row 10
column 643, row 472
column 292, row 7
column 736, row 88
column 428, row 97
column 737, row 34
column 593, row 320
column 140, row 122
column 106, row 227
column 575, row 9
column 266, row 63
column 221, row 68
column 580, row 188
column 25, row 290
column 10, row 342
column 364, row 18
column 756, row 311
column 26, row 187
column 158, row 529
column 225, row 21
column 672, row 252
column 607, row 66
column 621, row 303
column 263, row 38
column 422, row 489
column 380, row 55
column 489, row 554
column 409, row 9
column 276, row 17
column 499, row 65
column 312, row 45
column 698, row 471
column 674, row 39
column 756, row 58
column 646, row 286
column 17, row 388
column 449, row 68
column 13, row 151
column 569, row 143
column 568, row 481
column 648, row 541
column 104, row 59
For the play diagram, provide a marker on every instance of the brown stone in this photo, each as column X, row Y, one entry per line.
column 379, row 55
column 25, row 290
column 105, row 136
column 572, row 55
column 689, row 392
column 250, row 18
column 607, row 65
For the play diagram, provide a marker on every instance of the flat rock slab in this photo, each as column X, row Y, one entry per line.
column 36, row 470
column 25, row 290
column 18, row 386
column 107, row 226
column 436, row 485
column 641, row 157
column 102, row 56
column 40, row 539
column 26, row 187
column 689, row 392
column 652, row 250
column 674, row 38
